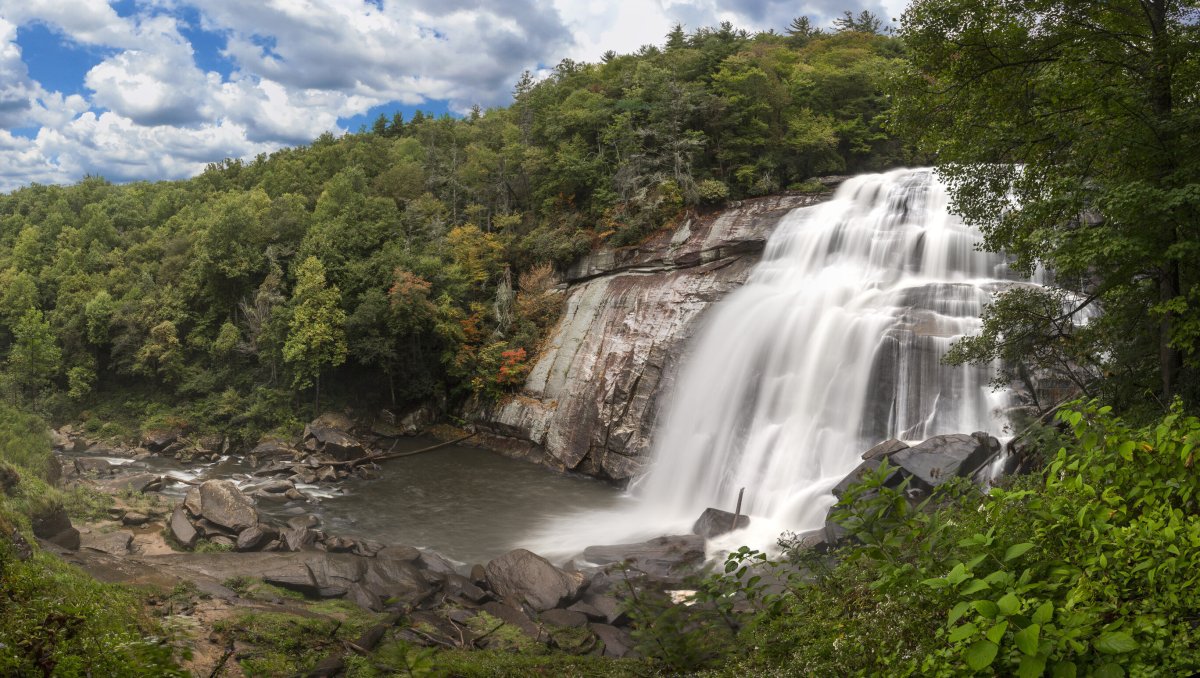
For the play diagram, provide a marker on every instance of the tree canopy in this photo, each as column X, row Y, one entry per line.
column 1067, row 132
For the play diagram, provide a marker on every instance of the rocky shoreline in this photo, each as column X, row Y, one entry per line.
column 216, row 536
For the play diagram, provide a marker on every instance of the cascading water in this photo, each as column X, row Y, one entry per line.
column 834, row 344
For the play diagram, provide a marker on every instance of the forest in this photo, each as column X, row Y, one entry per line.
column 418, row 261
column 415, row 261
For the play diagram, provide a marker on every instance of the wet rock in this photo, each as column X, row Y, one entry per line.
column 885, row 449
column 435, row 562
column 339, row 544
column 272, row 447
column 307, row 520
column 335, row 442
column 221, row 502
column 478, row 575
column 667, row 558
column 275, row 486
column 92, row 465
column 115, row 543
column 520, row 576
column 940, row 458
column 134, row 519
column 181, row 528
column 326, row 474
column 368, row 548
column 617, row 643
column 714, row 522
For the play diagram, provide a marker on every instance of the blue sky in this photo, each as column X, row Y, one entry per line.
column 156, row 89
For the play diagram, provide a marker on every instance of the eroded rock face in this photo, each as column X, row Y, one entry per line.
column 590, row 400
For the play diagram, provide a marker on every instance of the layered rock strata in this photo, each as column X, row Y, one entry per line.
column 589, row 403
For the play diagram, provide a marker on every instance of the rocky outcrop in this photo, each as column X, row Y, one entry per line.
column 589, row 402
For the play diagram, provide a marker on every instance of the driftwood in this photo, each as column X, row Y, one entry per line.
column 396, row 455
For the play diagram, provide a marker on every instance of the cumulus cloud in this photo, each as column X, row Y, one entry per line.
column 296, row 68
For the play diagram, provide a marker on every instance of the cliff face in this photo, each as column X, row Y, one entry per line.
column 590, row 402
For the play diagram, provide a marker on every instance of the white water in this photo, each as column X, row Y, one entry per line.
column 833, row 345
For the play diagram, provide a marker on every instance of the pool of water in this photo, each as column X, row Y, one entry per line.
column 466, row 503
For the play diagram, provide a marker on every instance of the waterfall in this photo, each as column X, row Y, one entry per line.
column 833, row 344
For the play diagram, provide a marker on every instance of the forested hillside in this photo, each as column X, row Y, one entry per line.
column 415, row 260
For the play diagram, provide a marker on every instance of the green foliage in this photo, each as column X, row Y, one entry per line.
column 1090, row 569
column 1064, row 131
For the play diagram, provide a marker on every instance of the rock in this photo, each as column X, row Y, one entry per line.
column 610, row 608
column 565, row 618
column 306, row 520
column 54, row 470
column 223, row 540
column 326, row 474
column 192, row 502
column 9, row 478
column 298, row 538
column 337, row 443
column 589, row 611
column 221, row 502
column 92, row 465
column 137, row 483
column 334, row 420
column 50, row 522
column 251, row 538
column 181, row 528
column 417, row 421
column 368, row 548
column 291, row 574
column 478, row 575
column 862, row 471
column 159, row 439
column 208, row 528
column 458, row 586
column 395, row 580
column 513, row 617
column 885, row 449
column 524, row 577
column 327, row 668
column 272, row 447
column 667, row 558
column 275, row 486
column 940, row 458
column 714, row 522
column 134, row 519
column 617, row 643
column 68, row 539
column 115, row 543
column 339, row 544
column 21, row 548
column 435, row 562
column 590, row 401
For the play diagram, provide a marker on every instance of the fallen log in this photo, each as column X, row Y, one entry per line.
column 386, row 456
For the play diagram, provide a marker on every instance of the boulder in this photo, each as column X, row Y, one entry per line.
column 940, row 458
column 667, row 558
column 863, row 470
column 513, row 617
column 137, row 482
column 714, row 522
column 335, row 420
column 394, row 580
column 435, row 562
column 115, row 543
column 588, row 610
column 159, row 439
column 617, row 643
column 92, row 465
column 134, row 519
column 272, row 447
column 222, row 503
column 191, row 501
column 181, row 528
column 335, row 442
column 885, row 449
column 521, row 576
column 252, row 538
column 49, row 522
column 565, row 618
column 298, row 538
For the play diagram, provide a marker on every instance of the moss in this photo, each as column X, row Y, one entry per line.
column 86, row 505
column 495, row 664
column 284, row 644
column 206, row 546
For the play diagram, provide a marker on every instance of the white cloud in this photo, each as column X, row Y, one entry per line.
column 300, row 65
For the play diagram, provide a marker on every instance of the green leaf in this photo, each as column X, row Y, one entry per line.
column 1064, row 670
column 1125, row 451
column 1009, row 604
column 981, row 655
column 1109, row 671
column 1016, row 551
column 1031, row 667
column 935, row 583
column 1115, row 642
column 957, row 612
column 958, row 574
column 986, row 608
column 974, row 587
column 996, row 633
column 963, row 632
column 1044, row 613
column 1027, row 639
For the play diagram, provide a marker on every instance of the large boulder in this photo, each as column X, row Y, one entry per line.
column 181, row 528
column 941, row 458
column 521, row 576
column 667, row 558
column 714, row 522
column 159, row 439
column 54, row 525
column 222, row 503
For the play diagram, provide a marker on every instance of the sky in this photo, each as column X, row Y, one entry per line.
column 156, row 89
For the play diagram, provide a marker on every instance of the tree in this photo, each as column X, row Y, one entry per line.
column 316, row 332
column 864, row 22
column 801, row 30
column 1067, row 133
column 35, row 357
